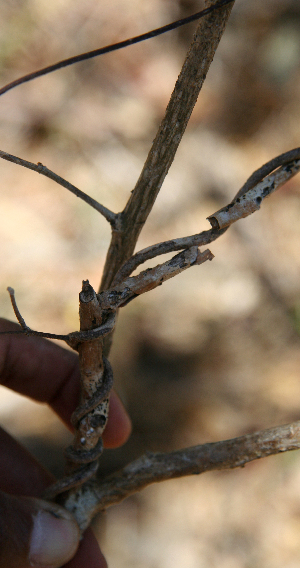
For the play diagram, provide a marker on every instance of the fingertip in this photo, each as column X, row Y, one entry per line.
column 54, row 538
column 88, row 553
column 119, row 426
column 34, row 532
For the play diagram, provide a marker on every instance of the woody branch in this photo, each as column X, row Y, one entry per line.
column 152, row 468
column 95, row 496
column 118, row 287
column 162, row 153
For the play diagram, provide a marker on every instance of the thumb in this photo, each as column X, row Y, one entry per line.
column 35, row 533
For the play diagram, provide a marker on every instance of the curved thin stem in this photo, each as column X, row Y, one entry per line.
column 248, row 202
column 268, row 168
column 289, row 159
column 200, row 239
column 40, row 169
column 113, row 47
column 147, row 280
column 72, row 339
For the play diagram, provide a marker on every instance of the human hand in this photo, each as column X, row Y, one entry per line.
column 34, row 532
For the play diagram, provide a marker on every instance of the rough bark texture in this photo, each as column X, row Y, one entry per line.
column 151, row 467
column 183, row 99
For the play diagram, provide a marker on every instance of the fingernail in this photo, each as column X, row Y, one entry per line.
column 54, row 538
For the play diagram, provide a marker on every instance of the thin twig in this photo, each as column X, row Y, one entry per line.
column 72, row 339
column 206, row 237
column 110, row 300
column 251, row 200
column 40, row 169
column 267, row 168
column 119, row 295
column 200, row 239
column 16, row 309
column 153, row 467
column 113, row 47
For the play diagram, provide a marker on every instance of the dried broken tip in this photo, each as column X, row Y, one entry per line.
column 16, row 309
column 87, row 293
column 238, row 209
column 203, row 256
column 214, row 223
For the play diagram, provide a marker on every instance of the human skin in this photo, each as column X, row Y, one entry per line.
column 47, row 373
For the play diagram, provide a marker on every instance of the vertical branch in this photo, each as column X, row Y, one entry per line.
column 90, row 417
column 91, row 371
column 166, row 142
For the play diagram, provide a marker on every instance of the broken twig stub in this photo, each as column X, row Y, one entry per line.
column 251, row 201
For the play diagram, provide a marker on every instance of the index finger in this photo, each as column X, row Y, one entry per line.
column 46, row 372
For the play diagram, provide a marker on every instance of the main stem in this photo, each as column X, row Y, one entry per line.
column 163, row 150
column 91, row 368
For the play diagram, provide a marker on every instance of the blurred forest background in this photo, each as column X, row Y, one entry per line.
column 212, row 354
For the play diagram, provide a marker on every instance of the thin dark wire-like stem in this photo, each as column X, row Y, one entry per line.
column 40, row 169
column 113, row 47
column 16, row 309
column 72, row 339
